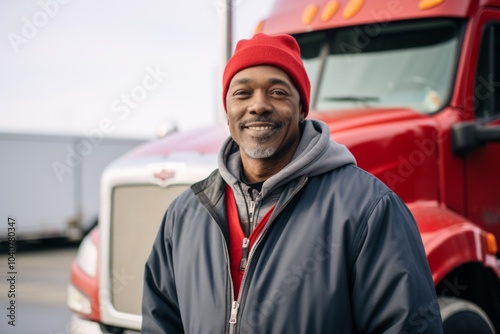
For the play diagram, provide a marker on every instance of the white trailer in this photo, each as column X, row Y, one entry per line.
column 50, row 183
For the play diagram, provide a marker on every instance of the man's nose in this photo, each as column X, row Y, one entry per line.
column 260, row 103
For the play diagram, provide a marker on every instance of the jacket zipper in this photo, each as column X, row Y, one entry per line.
column 251, row 213
column 236, row 304
column 246, row 241
column 244, row 253
column 234, row 312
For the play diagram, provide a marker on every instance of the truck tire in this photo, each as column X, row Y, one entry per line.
column 463, row 317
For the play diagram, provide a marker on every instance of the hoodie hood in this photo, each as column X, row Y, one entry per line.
column 316, row 154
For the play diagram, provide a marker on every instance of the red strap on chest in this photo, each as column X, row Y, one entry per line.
column 236, row 237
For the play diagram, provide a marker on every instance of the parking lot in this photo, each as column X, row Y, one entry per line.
column 33, row 290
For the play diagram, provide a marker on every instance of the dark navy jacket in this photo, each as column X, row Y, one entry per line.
column 340, row 254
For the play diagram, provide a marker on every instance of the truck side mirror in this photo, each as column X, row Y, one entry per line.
column 469, row 135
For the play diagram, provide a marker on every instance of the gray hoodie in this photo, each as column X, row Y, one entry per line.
column 316, row 154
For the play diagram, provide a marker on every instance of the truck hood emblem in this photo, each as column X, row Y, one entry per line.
column 164, row 174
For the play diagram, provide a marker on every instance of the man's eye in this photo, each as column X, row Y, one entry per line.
column 241, row 92
column 279, row 92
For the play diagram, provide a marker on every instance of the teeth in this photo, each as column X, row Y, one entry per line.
column 260, row 128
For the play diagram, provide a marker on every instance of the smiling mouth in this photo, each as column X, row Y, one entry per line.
column 261, row 131
column 261, row 124
column 260, row 128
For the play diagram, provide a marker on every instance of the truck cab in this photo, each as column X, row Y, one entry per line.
column 412, row 88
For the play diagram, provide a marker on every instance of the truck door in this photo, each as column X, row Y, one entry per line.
column 482, row 163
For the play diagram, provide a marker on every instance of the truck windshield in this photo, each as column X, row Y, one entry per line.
column 407, row 64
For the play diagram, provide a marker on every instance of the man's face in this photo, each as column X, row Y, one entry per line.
column 263, row 109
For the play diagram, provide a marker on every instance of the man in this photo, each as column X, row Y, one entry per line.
column 288, row 235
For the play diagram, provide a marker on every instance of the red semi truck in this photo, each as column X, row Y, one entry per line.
column 412, row 87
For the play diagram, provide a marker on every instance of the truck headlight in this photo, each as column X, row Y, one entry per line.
column 86, row 257
column 77, row 301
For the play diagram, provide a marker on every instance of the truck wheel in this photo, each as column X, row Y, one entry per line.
column 463, row 317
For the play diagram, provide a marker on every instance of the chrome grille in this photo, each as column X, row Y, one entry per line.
column 136, row 214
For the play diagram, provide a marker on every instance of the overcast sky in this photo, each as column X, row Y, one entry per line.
column 70, row 66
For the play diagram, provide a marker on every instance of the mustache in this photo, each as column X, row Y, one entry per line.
column 263, row 119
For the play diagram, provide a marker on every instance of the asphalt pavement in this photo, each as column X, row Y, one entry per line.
column 33, row 287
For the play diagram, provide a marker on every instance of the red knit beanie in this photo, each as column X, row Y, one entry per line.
column 281, row 51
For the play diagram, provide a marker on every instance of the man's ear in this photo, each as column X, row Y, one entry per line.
column 302, row 113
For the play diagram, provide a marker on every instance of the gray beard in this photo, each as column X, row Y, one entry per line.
column 260, row 153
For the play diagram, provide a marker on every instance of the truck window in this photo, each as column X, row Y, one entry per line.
column 486, row 95
column 311, row 46
column 407, row 64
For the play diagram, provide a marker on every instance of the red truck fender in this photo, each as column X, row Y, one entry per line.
column 450, row 240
